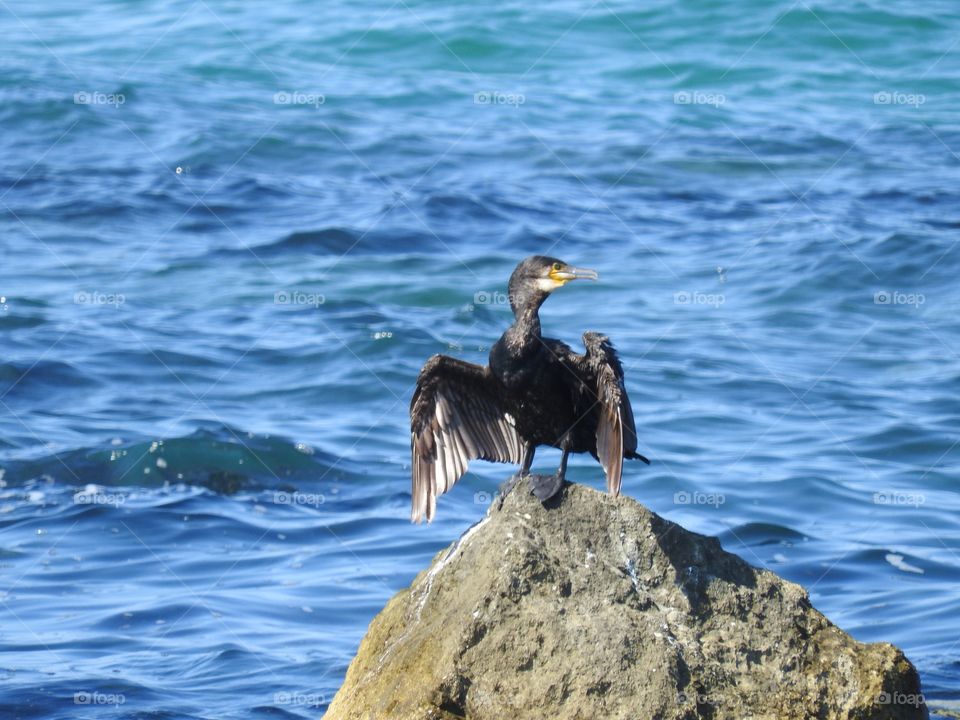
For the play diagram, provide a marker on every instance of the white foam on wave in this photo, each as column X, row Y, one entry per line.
column 900, row 564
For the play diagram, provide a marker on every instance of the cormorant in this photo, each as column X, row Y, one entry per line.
column 535, row 391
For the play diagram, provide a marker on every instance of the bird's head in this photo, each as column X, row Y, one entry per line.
column 539, row 275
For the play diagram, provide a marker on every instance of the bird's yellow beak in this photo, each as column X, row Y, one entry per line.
column 567, row 273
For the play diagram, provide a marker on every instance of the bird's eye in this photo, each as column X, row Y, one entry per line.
column 557, row 267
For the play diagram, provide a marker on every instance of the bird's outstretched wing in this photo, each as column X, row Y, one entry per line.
column 457, row 414
column 616, row 433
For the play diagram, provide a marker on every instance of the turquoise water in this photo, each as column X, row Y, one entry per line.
column 231, row 233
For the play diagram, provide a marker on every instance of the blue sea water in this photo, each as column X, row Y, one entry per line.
column 230, row 234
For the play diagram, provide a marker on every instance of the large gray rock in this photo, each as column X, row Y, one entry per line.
column 595, row 607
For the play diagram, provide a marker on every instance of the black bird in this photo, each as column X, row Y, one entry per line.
column 536, row 391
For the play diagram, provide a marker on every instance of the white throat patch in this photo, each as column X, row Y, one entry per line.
column 548, row 284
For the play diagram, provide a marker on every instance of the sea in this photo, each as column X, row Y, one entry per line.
column 231, row 233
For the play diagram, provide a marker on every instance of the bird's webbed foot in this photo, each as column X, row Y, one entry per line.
column 507, row 486
column 546, row 486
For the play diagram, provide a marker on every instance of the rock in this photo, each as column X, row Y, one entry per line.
column 595, row 607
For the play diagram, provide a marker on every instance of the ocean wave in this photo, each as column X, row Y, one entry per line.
column 221, row 458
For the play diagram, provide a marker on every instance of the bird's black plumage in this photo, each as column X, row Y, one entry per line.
column 535, row 391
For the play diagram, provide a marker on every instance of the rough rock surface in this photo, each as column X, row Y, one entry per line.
column 595, row 607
